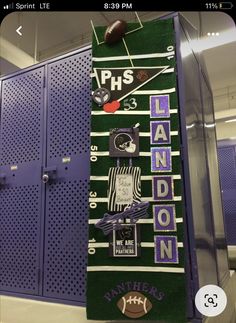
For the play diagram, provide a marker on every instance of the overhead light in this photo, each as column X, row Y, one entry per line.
column 231, row 120
column 190, row 125
column 209, row 125
column 213, row 34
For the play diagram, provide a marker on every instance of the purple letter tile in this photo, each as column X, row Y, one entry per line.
column 161, row 159
column 159, row 106
column 164, row 217
column 163, row 188
column 166, row 250
column 160, row 132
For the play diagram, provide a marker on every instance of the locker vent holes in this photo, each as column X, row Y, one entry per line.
column 19, row 238
column 227, row 165
column 21, row 118
column 66, row 240
column 69, row 106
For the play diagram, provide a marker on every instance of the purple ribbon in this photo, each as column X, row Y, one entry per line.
column 113, row 222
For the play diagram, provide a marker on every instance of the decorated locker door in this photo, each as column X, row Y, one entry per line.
column 66, row 177
column 136, row 242
column 21, row 147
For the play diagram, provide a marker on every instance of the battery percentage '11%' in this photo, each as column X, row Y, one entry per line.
column 212, row 6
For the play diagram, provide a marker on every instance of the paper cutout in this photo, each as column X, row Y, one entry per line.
column 111, row 222
column 112, row 194
column 111, row 107
column 125, row 242
column 134, row 304
column 101, row 96
column 124, row 189
column 124, row 142
column 122, row 81
column 128, row 32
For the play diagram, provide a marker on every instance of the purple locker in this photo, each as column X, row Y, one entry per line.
column 21, row 147
column 67, row 164
column 45, row 134
column 227, row 162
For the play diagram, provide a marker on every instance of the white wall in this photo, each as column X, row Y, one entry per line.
column 226, row 130
column 225, row 109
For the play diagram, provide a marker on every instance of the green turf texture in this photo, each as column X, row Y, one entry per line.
column 154, row 37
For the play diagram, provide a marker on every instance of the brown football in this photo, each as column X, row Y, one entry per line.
column 115, row 31
column 134, row 305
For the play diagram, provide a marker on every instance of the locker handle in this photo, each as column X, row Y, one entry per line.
column 2, row 179
column 50, row 169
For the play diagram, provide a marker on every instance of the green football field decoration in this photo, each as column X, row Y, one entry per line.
column 136, row 235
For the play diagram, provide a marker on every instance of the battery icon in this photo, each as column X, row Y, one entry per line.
column 226, row 5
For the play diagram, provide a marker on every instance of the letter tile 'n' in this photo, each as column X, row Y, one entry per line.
column 166, row 249
column 161, row 159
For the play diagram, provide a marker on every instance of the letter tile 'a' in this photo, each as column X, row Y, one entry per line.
column 160, row 132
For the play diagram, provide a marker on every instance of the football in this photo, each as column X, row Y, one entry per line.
column 115, row 31
column 134, row 305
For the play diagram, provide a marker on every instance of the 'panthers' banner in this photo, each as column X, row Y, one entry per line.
column 136, row 242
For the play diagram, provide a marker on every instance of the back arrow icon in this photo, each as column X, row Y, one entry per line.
column 18, row 30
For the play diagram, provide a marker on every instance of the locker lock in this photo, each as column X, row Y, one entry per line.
column 48, row 173
column 45, row 178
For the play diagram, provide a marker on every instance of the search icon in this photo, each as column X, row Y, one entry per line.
column 210, row 300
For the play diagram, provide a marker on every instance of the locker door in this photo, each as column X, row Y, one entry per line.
column 227, row 163
column 21, row 146
column 68, row 147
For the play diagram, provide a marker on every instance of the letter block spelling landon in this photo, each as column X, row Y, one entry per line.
column 164, row 218
column 166, row 249
column 160, row 132
column 161, row 159
column 159, row 105
column 163, row 188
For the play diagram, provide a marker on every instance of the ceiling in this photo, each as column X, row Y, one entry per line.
column 48, row 34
